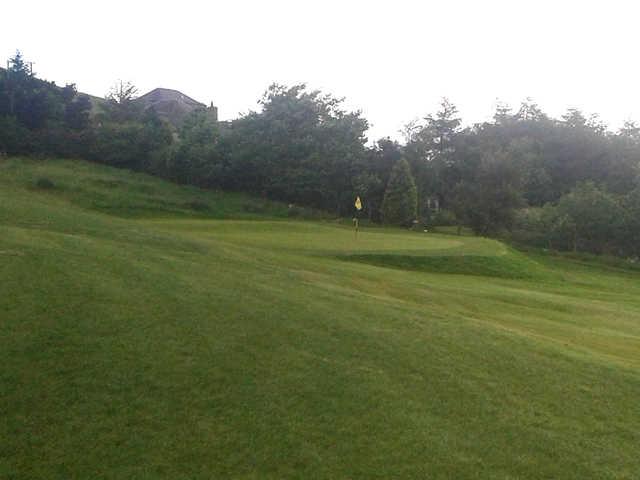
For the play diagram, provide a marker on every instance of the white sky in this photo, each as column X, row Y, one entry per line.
column 392, row 59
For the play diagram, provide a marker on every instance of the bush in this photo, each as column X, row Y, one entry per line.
column 197, row 206
column 531, row 226
column 45, row 183
column 590, row 218
column 443, row 218
column 255, row 207
column 295, row 211
column 15, row 139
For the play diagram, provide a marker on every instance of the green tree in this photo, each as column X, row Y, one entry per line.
column 29, row 100
column 302, row 147
column 119, row 105
column 76, row 108
column 372, row 175
column 400, row 203
column 441, row 129
column 198, row 158
column 631, row 226
column 589, row 218
column 431, row 154
column 488, row 202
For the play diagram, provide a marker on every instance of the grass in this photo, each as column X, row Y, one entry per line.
column 128, row 194
column 512, row 265
column 142, row 338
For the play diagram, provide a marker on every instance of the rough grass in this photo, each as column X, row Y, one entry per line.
column 144, row 339
column 128, row 194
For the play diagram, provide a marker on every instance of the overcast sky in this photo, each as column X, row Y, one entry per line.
column 393, row 60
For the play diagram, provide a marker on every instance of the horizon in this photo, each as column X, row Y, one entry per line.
column 230, row 54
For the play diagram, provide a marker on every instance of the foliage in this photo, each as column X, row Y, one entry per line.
column 431, row 153
column 303, row 147
column 38, row 116
column 588, row 218
column 198, row 158
column 45, row 183
column 442, row 218
column 487, row 203
column 372, row 174
column 631, row 223
column 400, row 203
column 120, row 105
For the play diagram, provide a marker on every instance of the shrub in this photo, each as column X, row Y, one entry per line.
column 45, row 183
column 443, row 218
column 197, row 206
column 295, row 211
column 254, row 207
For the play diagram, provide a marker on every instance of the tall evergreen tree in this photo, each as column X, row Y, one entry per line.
column 432, row 154
column 400, row 202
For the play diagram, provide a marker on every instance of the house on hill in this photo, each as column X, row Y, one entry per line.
column 174, row 106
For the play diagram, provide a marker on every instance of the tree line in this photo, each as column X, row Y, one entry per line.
column 565, row 183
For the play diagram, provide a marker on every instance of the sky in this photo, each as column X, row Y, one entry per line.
column 393, row 60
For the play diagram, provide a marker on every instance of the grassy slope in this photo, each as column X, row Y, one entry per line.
column 139, row 339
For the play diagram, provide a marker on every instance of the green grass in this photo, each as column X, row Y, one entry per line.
column 141, row 338
column 128, row 194
column 512, row 265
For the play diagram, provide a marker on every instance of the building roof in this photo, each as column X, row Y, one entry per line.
column 172, row 105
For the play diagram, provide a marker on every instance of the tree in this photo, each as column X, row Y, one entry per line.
column 122, row 93
column 441, row 129
column 488, row 202
column 119, row 105
column 400, row 203
column 574, row 118
column 198, row 158
column 631, row 229
column 410, row 130
column 591, row 218
column 76, row 108
column 503, row 113
column 371, row 175
column 30, row 100
column 630, row 130
column 431, row 154
column 302, row 147
column 588, row 219
column 530, row 111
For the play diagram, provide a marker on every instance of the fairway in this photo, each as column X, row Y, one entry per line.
column 149, row 330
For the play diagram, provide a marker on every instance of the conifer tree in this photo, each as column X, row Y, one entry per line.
column 399, row 206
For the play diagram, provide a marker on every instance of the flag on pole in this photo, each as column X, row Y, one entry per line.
column 358, row 204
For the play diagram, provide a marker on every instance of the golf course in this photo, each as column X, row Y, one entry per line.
column 151, row 330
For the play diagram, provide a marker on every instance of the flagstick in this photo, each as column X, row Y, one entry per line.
column 358, row 206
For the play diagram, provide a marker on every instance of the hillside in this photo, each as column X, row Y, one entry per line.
column 151, row 330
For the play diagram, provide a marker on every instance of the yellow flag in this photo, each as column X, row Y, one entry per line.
column 358, row 203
